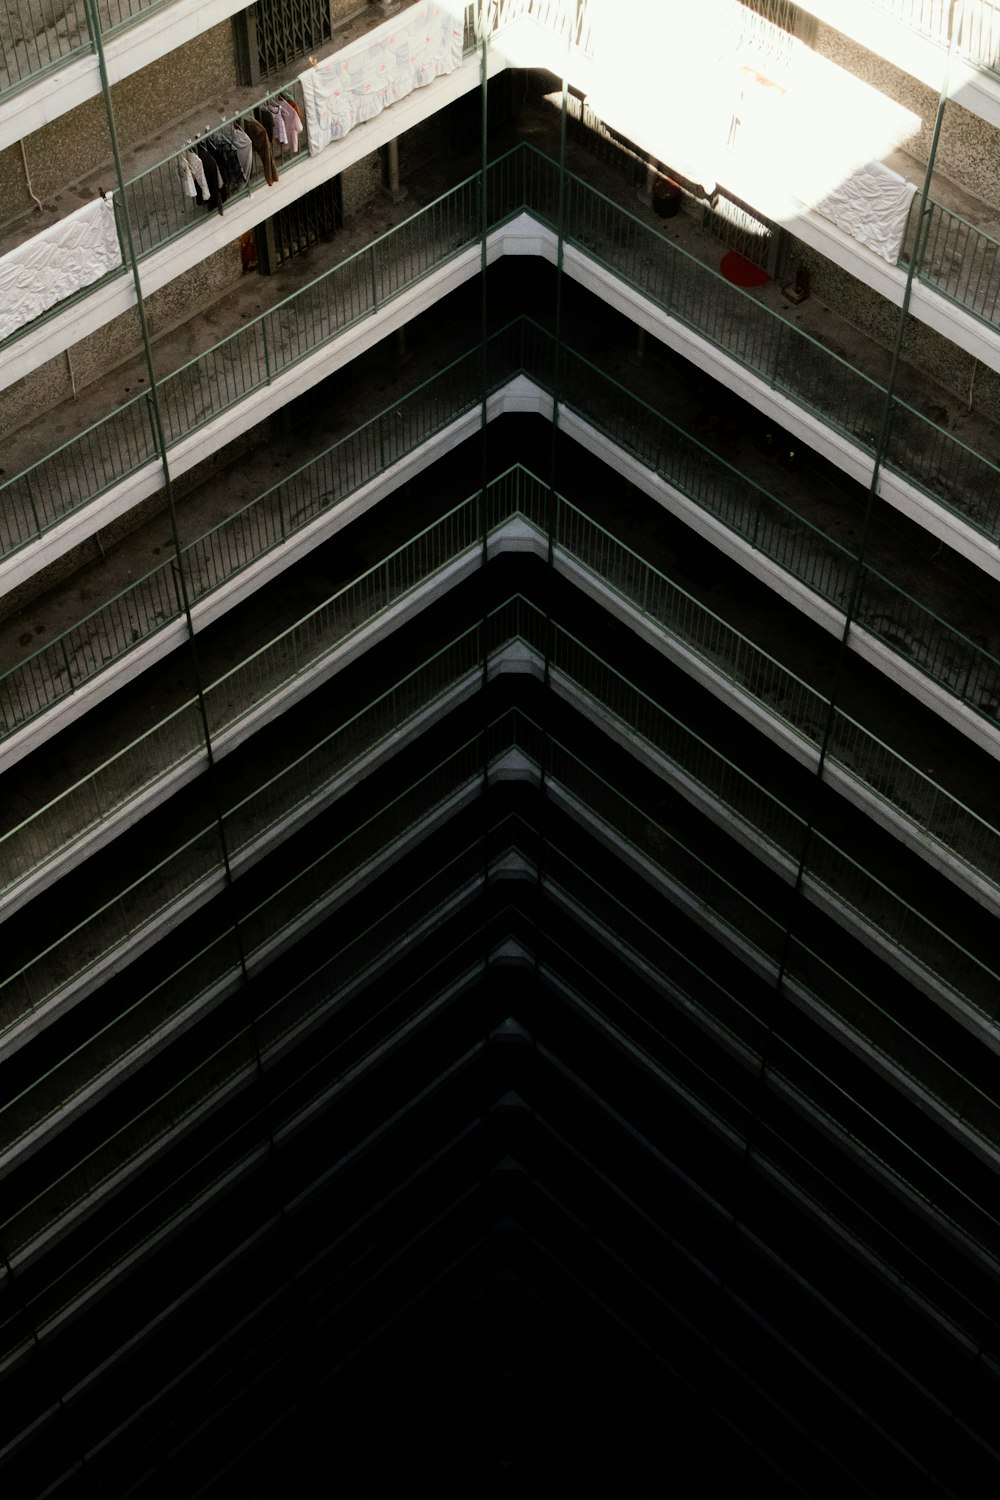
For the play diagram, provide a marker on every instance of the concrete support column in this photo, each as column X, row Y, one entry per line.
column 645, row 191
column 396, row 193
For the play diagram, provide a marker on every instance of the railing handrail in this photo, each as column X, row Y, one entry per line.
column 327, row 603
column 203, row 537
column 84, row 43
column 471, row 633
column 640, row 561
column 240, row 666
column 703, row 267
column 308, row 286
column 68, row 442
column 664, row 713
column 790, row 329
column 937, row 206
column 716, row 458
column 347, row 437
column 950, row 437
column 938, row 35
column 223, row 122
column 925, row 609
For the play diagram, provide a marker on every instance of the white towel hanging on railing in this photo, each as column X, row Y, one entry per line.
column 59, row 261
column 872, row 205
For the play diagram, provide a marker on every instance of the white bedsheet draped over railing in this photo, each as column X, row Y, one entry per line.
column 361, row 80
column 57, row 262
column 873, row 206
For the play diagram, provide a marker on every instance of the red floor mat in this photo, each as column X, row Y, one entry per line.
column 740, row 271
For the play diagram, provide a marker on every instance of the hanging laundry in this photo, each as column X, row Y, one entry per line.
column 61, row 260
column 184, row 172
column 278, row 131
column 292, row 122
column 229, row 162
column 197, row 171
column 357, row 82
column 217, row 190
column 244, row 151
column 261, row 143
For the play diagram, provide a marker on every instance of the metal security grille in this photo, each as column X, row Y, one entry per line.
column 739, row 228
column 779, row 12
column 768, row 27
column 288, row 30
column 303, row 223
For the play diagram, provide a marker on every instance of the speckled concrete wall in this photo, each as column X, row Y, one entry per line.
column 360, row 184
column 968, row 150
column 73, row 145
column 343, row 10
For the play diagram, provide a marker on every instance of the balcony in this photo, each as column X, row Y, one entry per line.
column 915, row 36
column 585, row 789
column 48, row 64
column 389, row 279
column 957, row 281
column 171, row 233
column 184, row 875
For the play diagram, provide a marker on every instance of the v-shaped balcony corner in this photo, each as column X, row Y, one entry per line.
column 500, row 845
column 805, row 368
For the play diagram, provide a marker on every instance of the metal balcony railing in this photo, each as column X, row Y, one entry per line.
column 144, row 1025
column 247, row 686
column 957, row 664
column 757, row 338
column 84, row 651
column 38, row 36
column 720, row 1011
column 149, row 1021
column 569, row 20
column 978, row 35
column 195, row 865
column 888, row 612
column 129, row 775
column 829, row 871
column 960, row 261
column 779, row 532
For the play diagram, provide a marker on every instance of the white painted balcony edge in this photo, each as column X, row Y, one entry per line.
column 517, row 397
column 511, row 537
column 518, row 536
column 812, row 430
column 132, row 48
column 851, row 921
column 802, row 1000
column 524, row 768
column 325, row 907
column 263, row 402
column 159, row 925
column 780, row 733
column 521, row 236
column 897, row 668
